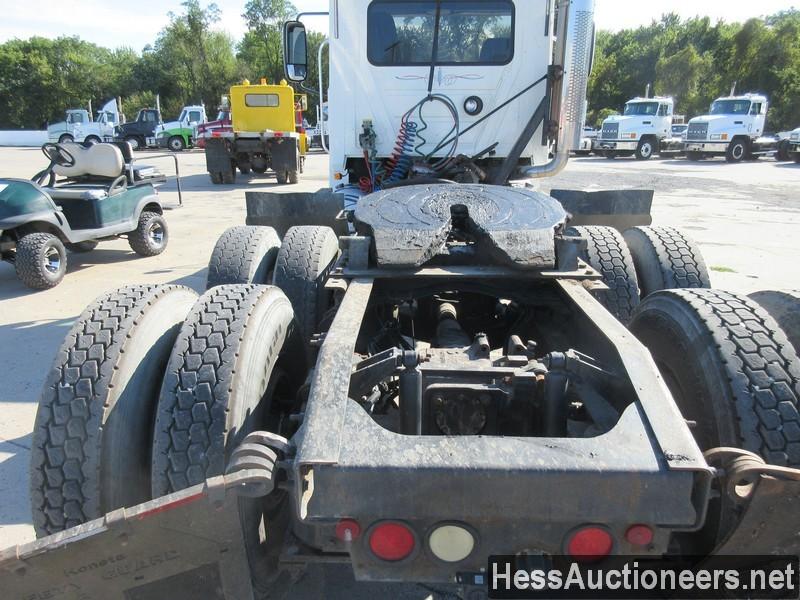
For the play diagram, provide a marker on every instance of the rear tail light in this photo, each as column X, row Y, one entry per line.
column 451, row 543
column 590, row 544
column 639, row 535
column 391, row 541
column 348, row 530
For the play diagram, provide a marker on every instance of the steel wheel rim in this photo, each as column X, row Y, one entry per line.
column 175, row 144
column 647, row 150
column 134, row 144
column 52, row 260
column 156, row 233
column 738, row 151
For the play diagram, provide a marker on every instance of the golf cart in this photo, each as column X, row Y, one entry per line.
column 87, row 194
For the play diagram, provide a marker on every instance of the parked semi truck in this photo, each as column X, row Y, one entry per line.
column 142, row 128
column 180, row 134
column 733, row 128
column 78, row 125
column 639, row 131
column 794, row 145
column 265, row 134
column 425, row 364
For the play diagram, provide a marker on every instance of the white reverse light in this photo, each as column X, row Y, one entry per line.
column 451, row 543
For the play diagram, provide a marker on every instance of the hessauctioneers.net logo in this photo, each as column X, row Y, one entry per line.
column 622, row 577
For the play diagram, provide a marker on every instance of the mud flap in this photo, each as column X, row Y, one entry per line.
column 771, row 521
column 285, row 155
column 218, row 158
column 283, row 211
column 183, row 546
column 620, row 209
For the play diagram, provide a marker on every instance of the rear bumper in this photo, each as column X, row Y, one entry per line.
column 617, row 145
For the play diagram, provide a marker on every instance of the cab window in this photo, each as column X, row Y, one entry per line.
column 471, row 32
column 664, row 110
column 262, row 100
column 756, row 108
column 194, row 116
column 646, row 109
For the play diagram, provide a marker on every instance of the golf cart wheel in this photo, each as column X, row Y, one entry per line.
column 40, row 260
column 243, row 254
column 608, row 253
column 135, row 142
column 282, row 177
column 151, row 236
column 737, row 151
column 82, row 247
column 645, row 149
column 90, row 452
column 307, row 255
column 235, row 368
column 784, row 307
column 666, row 259
column 176, row 143
column 732, row 373
column 65, row 139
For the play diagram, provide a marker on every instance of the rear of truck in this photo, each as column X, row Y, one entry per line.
column 264, row 135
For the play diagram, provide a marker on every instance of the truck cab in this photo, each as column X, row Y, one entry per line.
column 180, row 134
column 137, row 131
column 638, row 132
column 732, row 128
column 79, row 127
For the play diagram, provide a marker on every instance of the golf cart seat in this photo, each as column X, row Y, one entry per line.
column 138, row 173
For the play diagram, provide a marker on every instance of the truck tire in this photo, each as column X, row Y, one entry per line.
column 782, row 153
column 608, row 253
column 82, row 247
column 305, row 258
column 737, row 150
column 65, row 139
column 694, row 156
column 645, row 149
column 40, row 260
column 666, row 259
column 732, row 372
column 293, row 176
column 151, row 236
column 229, row 176
column 176, row 143
column 784, row 307
column 243, row 254
column 135, row 141
column 244, row 168
column 610, row 154
column 91, row 140
column 235, row 368
column 282, row 177
column 216, row 178
column 90, row 452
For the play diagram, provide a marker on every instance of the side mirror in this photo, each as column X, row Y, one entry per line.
column 295, row 51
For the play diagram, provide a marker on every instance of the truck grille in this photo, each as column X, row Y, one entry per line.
column 697, row 131
column 610, row 131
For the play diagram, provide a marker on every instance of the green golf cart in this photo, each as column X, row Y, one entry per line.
column 87, row 194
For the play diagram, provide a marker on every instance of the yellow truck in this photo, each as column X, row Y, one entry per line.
column 267, row 134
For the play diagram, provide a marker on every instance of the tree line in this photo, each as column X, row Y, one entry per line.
column 696, row 61
column 190, row 62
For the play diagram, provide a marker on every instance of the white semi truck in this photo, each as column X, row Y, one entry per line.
column 733, row 128
column 79, row 127
column 640, row 130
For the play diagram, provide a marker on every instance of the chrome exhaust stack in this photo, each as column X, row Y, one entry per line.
column 574, row 54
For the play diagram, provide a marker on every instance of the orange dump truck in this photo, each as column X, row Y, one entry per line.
column 265, row 134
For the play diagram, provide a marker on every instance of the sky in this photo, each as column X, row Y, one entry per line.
column 114, row 23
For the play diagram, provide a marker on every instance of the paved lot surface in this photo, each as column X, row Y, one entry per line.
column 746, row 218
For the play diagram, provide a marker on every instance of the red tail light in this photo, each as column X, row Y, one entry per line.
column 590, row 544
column 391, row 541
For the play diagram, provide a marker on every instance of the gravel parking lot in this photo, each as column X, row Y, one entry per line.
column 746, row 218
